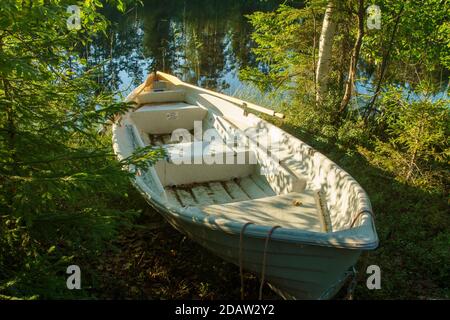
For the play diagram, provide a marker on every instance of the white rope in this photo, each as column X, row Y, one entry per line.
column 263, row 271
column 359, row 214
column 352, row 285
column 241, row 257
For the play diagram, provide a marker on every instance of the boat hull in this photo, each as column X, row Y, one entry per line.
column 319, row 238
column 293, row 270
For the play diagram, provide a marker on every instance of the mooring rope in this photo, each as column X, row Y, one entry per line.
column 352, row 285
column 359, row 214
column 263, row 271
column 241, row 257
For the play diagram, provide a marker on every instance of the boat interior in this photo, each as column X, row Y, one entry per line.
column 206, row 167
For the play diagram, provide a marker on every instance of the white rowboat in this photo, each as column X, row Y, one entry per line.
column 245, row 189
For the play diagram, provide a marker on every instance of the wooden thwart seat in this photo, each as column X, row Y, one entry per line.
column 164, row 118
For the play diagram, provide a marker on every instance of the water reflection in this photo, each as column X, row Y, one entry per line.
column 204, row 42
column 201, row 41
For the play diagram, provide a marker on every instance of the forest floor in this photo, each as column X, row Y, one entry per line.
column 155, row 261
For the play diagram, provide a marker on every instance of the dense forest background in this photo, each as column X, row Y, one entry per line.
column 374, row 100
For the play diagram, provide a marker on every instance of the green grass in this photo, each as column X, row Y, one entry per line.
column 412, row 224
column 147, row 259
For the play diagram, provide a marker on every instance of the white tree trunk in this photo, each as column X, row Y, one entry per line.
column 325, row 48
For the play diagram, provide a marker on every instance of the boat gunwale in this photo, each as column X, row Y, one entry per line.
column 337, row 239
column 256, row 231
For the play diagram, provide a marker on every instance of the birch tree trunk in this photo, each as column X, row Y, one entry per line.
column 325, row 49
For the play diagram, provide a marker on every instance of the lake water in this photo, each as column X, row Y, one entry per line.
column 204, row 42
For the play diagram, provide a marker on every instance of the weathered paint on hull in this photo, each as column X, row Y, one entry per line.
column 293, row 270
column 303, row 262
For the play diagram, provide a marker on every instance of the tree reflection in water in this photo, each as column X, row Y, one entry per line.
column 202, row 41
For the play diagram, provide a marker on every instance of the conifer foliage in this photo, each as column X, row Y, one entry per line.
column 58, row 175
